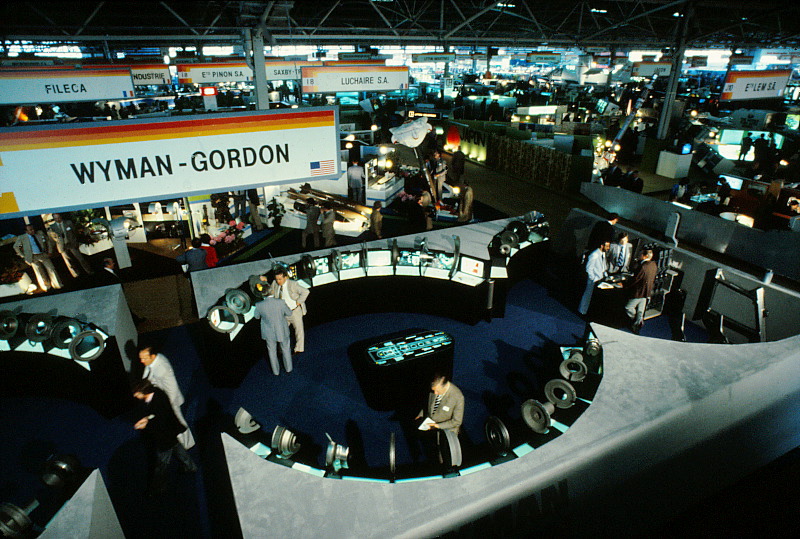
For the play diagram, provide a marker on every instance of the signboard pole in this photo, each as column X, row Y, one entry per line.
column 256, row 44
column 672, row 84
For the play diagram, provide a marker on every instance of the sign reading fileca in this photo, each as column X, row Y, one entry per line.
column 210, row 73
column 90, row 165
column 20, row 87
column 354, row 78
column 755, row 84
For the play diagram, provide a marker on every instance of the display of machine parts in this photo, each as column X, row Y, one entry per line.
column 456, row 255
column 573, row 368
column 519, row 229
column 244, row 422
column 222, row 319
column 497, row 435
column 336, row 455
column 284, row 442
column 9, row 325
column 87, row 346
column 64, row 332
column 560, row 392
column 592, row 353
column 537, row 415
column 61, row 471
column 16, row 521
column 38, row 327
column 306, row 268
column 335, row 262
column 449, row 448
column 538, row 227
column 237, row 300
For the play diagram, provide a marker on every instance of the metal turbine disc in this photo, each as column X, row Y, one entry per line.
column 9, row 325
column 509, row 238
column 572, row 369
column 76, row 347
column 560, row 393
column 64, row 332
column 450, row 448
column 237, row 300
column 497, row 435
column 222, row 319
column 14, row 522
column 536, row 415
column 39, row 327
column 519, row 228
column 392, row 454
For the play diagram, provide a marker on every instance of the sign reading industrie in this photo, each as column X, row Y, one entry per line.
column 354, row 78
column 80, row 166
column 145, row 74
column 755, row 84
column 20, row 87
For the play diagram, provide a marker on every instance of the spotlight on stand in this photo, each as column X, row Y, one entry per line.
column 284, row 442
column 497, row 435
column 336, row 456
column 244, row 422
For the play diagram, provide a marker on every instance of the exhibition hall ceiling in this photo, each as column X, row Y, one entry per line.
column 622, row 24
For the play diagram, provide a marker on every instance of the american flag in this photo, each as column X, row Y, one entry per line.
column 321, row 168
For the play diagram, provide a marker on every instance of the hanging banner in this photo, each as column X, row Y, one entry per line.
column 543, row 58
column 375, row 58
column 754, row 84
column 24, row 86
column 354, row 78
column 354, row 62
column 740, row 60
column 126, row 161
column 651, row 69
column 431, row 57
column 699, row 61
column 143, row 74
column 210, row 73
column 287, row 70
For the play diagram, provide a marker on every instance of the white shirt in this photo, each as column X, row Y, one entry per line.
column 284, row 295
column 596, row 265
column 34, row 246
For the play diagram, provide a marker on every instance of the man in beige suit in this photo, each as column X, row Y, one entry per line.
column 63, row 233
column 35, row 249
column 294, row 296
column 445, row 405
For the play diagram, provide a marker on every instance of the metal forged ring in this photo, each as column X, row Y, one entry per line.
column 510, row 238
column 519, row 228
column 83, row 349
column 450, row 450
column 497, row 436
column 60, row 471
column 560, row 392
column 223, row 319
column 392, row 454
column 64, row 332
column 284, row 442
column 237, row 300
column 39, row 327
column 573, row 370
column 537, row 415
column 9, row 325
column 14, row 522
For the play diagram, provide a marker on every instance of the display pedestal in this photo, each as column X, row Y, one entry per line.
column 673, row 165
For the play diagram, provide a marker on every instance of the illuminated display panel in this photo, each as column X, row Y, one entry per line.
column 472, row 266
column 351, row 260
column 412, row 346
column 381, row 257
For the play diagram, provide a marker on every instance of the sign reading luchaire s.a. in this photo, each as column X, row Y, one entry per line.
column 354, row 78
column 82, row 167
column 755, row 84
column 24, row 86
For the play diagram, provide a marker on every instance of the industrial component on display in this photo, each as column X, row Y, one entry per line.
column 392, row 454
column 497, row 435
column 573, row 368
column 336, row 455
column 413, row 346
column 538, row 415
column 244, row 422
column 284, row 442
column 60, row 471
column 237, row 300
column 449, row 448
column 41, row 332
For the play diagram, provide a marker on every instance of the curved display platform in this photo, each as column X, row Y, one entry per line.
column 705, row 414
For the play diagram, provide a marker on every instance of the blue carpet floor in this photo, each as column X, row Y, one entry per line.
column 497, row 359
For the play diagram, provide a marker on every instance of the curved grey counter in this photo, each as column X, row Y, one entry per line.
column 671, row 422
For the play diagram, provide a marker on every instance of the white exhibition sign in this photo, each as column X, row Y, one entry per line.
column 210, row 73
column 354, row 78
column 651, row 69
column 433, row 57
column 20, row 87
column 144, row 74
column 287, row 70
column 84, row 166
column 755, row 84
column 543, row 57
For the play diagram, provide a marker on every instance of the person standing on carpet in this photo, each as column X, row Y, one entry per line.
column 162, row 429
column 445, row 405
column 273, row 314
column 595, row 272
column 641, row 287
column 294, row 296
column 328, row 218
column 158, row 371
column 312, row 223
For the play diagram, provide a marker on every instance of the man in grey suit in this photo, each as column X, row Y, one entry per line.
column 294, row 296
column 63, row 233
column 34, row 248
column 445, row 405
column 274, row 314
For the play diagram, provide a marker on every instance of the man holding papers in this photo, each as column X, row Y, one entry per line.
column 445, row 408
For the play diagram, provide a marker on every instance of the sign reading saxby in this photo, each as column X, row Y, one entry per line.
column 287, row 70
column 755, row 84
column 144, row 74
column 19, row 87
column 208, row 73
column 651, row 69
column 354, row 78
column 99, row 165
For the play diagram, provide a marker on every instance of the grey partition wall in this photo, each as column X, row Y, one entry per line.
column 777, row 250
column 89, row 514
column 670, row 423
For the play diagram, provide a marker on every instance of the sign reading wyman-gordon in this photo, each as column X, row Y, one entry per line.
column 19, row 87
column 755, row 84
column 354, row 78
column 83, row 167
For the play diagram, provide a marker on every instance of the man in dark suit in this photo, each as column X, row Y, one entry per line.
column 273, row 314
column 641, row 287
column 161, row 428
column 194, row 257
column 602, row 232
